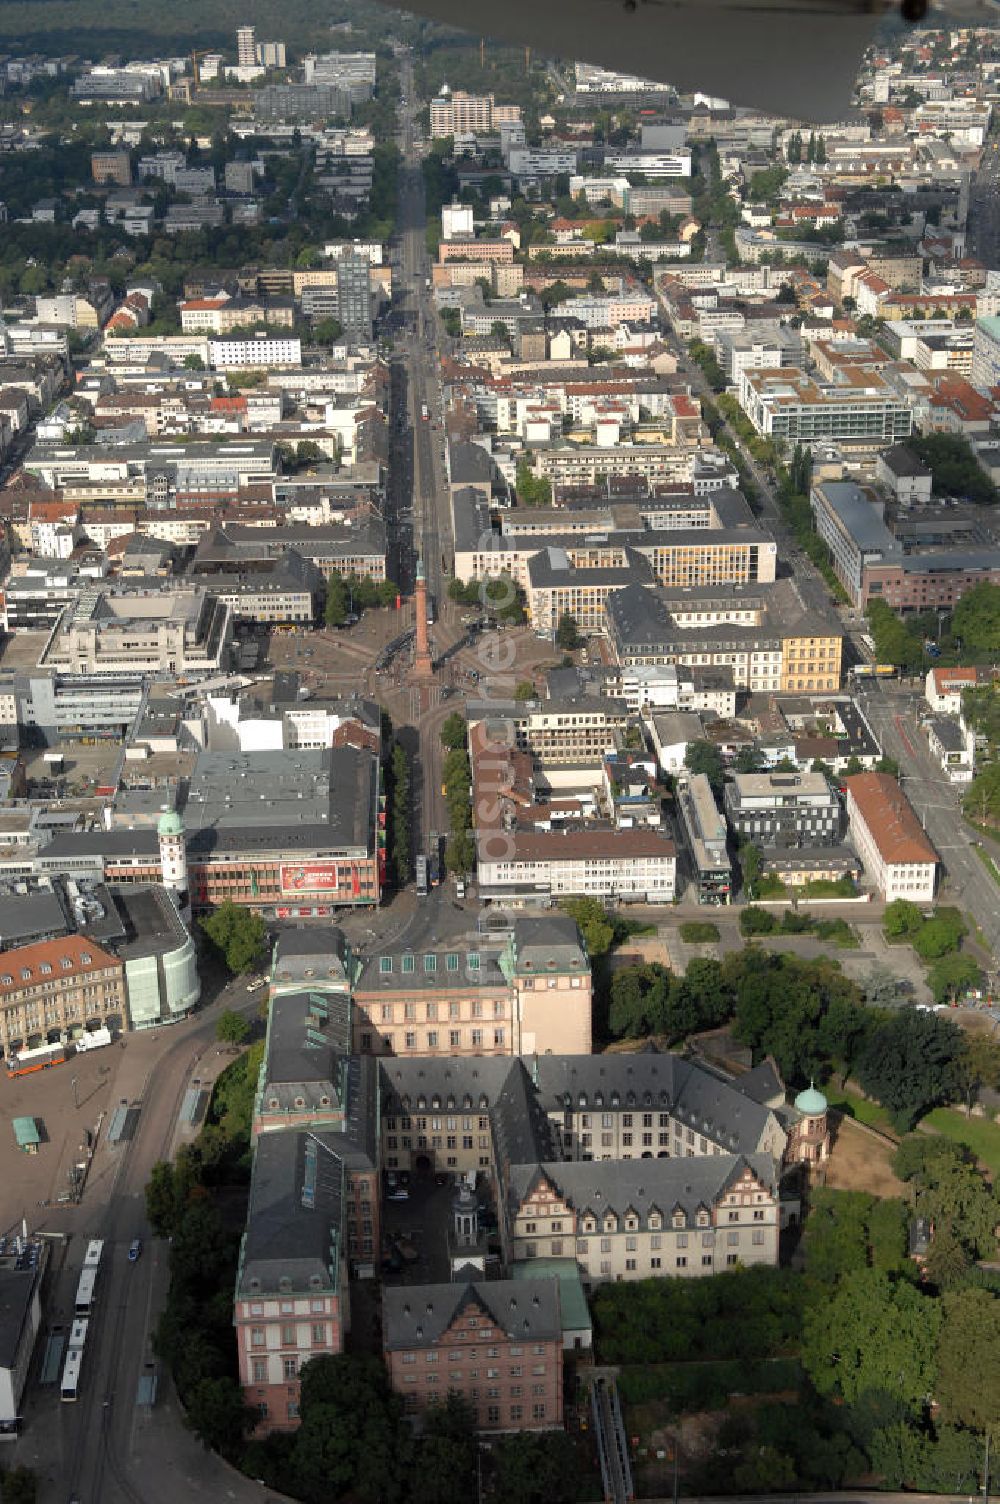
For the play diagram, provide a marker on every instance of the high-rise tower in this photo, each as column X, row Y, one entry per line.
column 246, row 46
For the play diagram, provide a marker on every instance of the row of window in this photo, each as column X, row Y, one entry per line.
column 478, row 1039
column 408, row 963
column 476, row 1007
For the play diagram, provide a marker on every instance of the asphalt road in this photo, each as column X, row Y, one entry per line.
column 105, row 1449
column 894, row 711
column 424, row 484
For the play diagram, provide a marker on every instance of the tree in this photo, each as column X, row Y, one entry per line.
column 327, row 331
column 193, row 363
column 399, row 786
column 594, row 924
column 237, row 936
column 705, row 757
column 956, row 472
column 748, row 760
column 231, row 1027
column 447, row 1453
column 751, row 861
column 532, row 490
column 335, row 607
column 978, row 1064
column 20, row 1486
column 968, row 1360
column 952, row 976
column 902, row 919
column 639, row 1001
column 219, row 1415
column 910, row 1064
column 161, row 1201
column 351, row 1439
column 881, row 987
column 532, row 1469
column 453, row 732
column 947, row 1263
column 982, row 798
column 871, row 1336
column 460, row 852
column 567, row 635
column 939, row 936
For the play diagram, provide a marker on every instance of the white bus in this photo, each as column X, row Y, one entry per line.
column 85, row 1293
column 92, row 1257
column 71, row 1375
column 78, row 1332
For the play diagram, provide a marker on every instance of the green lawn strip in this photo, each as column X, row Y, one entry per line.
column 860, row 1109
column 981, row 1135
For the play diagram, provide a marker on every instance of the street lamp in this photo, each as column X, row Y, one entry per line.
column 76, row 1099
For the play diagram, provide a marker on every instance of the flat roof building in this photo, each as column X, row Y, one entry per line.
column 704, row 832
column 783, row 809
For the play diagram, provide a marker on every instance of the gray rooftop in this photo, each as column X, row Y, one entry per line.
column 17, row 1286
column 281, row 799
column 553, row 944
column 859, row 517
column 642, row 1185
column 416, row 1316
column 294, row 1216
column 663, row 1082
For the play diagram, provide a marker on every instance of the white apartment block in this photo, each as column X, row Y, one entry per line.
column 243, row 354
column 788, row 404
column 631, row 865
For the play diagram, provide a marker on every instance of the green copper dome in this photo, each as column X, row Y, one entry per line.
column 811, row 1103
column 170, row 824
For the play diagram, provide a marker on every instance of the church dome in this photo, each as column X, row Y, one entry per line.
column 170, row 824
column 811, row 1103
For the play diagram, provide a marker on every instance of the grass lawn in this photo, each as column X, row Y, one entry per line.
column 860, row 1109
column 981, row 1135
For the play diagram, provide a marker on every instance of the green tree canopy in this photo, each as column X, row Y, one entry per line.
column 532, row 490
column 902, row 919
column 968, row 1360
column 567, row 633
column 954, row 468
column 951, row 976
column 872, row 1336
column 237, row 935
column 705, row 757
column 595, row 924
column 910, row 1064
column 527, row 1468
column 976, row 619
column 231, row 1027
column 454, row 731
column 350, row 1441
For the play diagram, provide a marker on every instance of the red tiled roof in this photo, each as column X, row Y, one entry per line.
column 71, row 956
column 889, row 816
